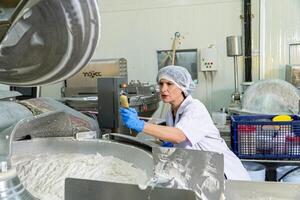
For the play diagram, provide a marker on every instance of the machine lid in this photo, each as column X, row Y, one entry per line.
column 273, row 96
column 46, row 41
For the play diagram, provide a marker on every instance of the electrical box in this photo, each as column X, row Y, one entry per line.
column 208, row 59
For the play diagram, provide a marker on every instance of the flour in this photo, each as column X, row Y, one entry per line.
column 44, row 174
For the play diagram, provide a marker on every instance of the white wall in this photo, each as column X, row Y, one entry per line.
column 282, row 29
column 136, row 29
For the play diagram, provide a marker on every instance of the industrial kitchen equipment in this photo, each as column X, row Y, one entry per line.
column 96, row 89
column 41, row 42
column 292, row 75
column 81, row 91
column 44, row 41
column 272, row 96
column 234, row 49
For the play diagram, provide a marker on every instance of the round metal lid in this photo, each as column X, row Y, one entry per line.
column 271, row 97
column 50, row 42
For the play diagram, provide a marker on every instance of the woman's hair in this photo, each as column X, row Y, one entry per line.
column 179, row 76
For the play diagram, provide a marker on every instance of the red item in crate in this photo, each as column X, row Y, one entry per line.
column 247, row 128
column 247, row 138
column 293, row 145
column 293, row 139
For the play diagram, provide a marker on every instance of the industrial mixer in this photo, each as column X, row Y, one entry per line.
column 44, row 41
column 41, row 42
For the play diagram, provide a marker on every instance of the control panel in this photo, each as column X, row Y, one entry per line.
column 208, row 59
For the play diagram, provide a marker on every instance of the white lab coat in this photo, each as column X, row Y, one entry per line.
column 193, row 119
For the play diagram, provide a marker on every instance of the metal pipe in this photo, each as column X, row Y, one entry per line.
column 247, row 40
column 236, row 75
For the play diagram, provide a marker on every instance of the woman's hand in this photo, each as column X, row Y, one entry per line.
column 131, row 120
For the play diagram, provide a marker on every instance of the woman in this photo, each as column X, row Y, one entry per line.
column 189, row 124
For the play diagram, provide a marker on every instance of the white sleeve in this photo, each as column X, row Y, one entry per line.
column 196, row 124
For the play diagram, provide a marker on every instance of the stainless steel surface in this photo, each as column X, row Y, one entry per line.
column 17, row 192
column 51, row 124
column 246, row 190
column 80, row 122
column 235, row 100
column 76, row 189
column 142, row 141
column 138, row 157
column 11, row 113
column 6, row 95
column 143, row 97
column 49, row 42
column 11, row 11
column 42, row 42
column 42, row 117
column 234, row 46
column 84, row 83
column 292, row 75
column 82, row 103
column 141, row 159
column 236, row 76
column 200, row 171
column 234, row 49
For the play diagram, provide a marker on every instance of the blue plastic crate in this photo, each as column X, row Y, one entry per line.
column 257, row 137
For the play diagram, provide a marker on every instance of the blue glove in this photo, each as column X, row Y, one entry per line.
column 167, row 144
column 131, row 120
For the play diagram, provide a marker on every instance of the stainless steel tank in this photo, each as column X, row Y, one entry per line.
column 234, row 46
column 142, row 159
column 41, row 42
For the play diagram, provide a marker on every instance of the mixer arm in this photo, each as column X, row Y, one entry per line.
column 11, row 11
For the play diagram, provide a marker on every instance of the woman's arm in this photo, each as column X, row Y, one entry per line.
column 165, row 133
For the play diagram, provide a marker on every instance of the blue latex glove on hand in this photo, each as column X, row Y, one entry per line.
column 167, row 144
column 131, row 120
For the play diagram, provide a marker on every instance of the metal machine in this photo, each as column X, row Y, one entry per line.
column 82, row 91
column 292, row 75
column 234, row 49
column 44, row 41
column 95, row 90
column 41, row 42
column 84, row 83
column 270, row 97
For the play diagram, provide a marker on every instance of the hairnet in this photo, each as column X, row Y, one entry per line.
column 178, row 75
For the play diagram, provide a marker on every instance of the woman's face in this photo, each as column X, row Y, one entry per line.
column 169, row 92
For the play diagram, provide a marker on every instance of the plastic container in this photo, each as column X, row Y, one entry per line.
column 219, row 118
column 293, row 145
column 258, row 137
column 288, row 173
column 257, row 172
column 247, row 139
